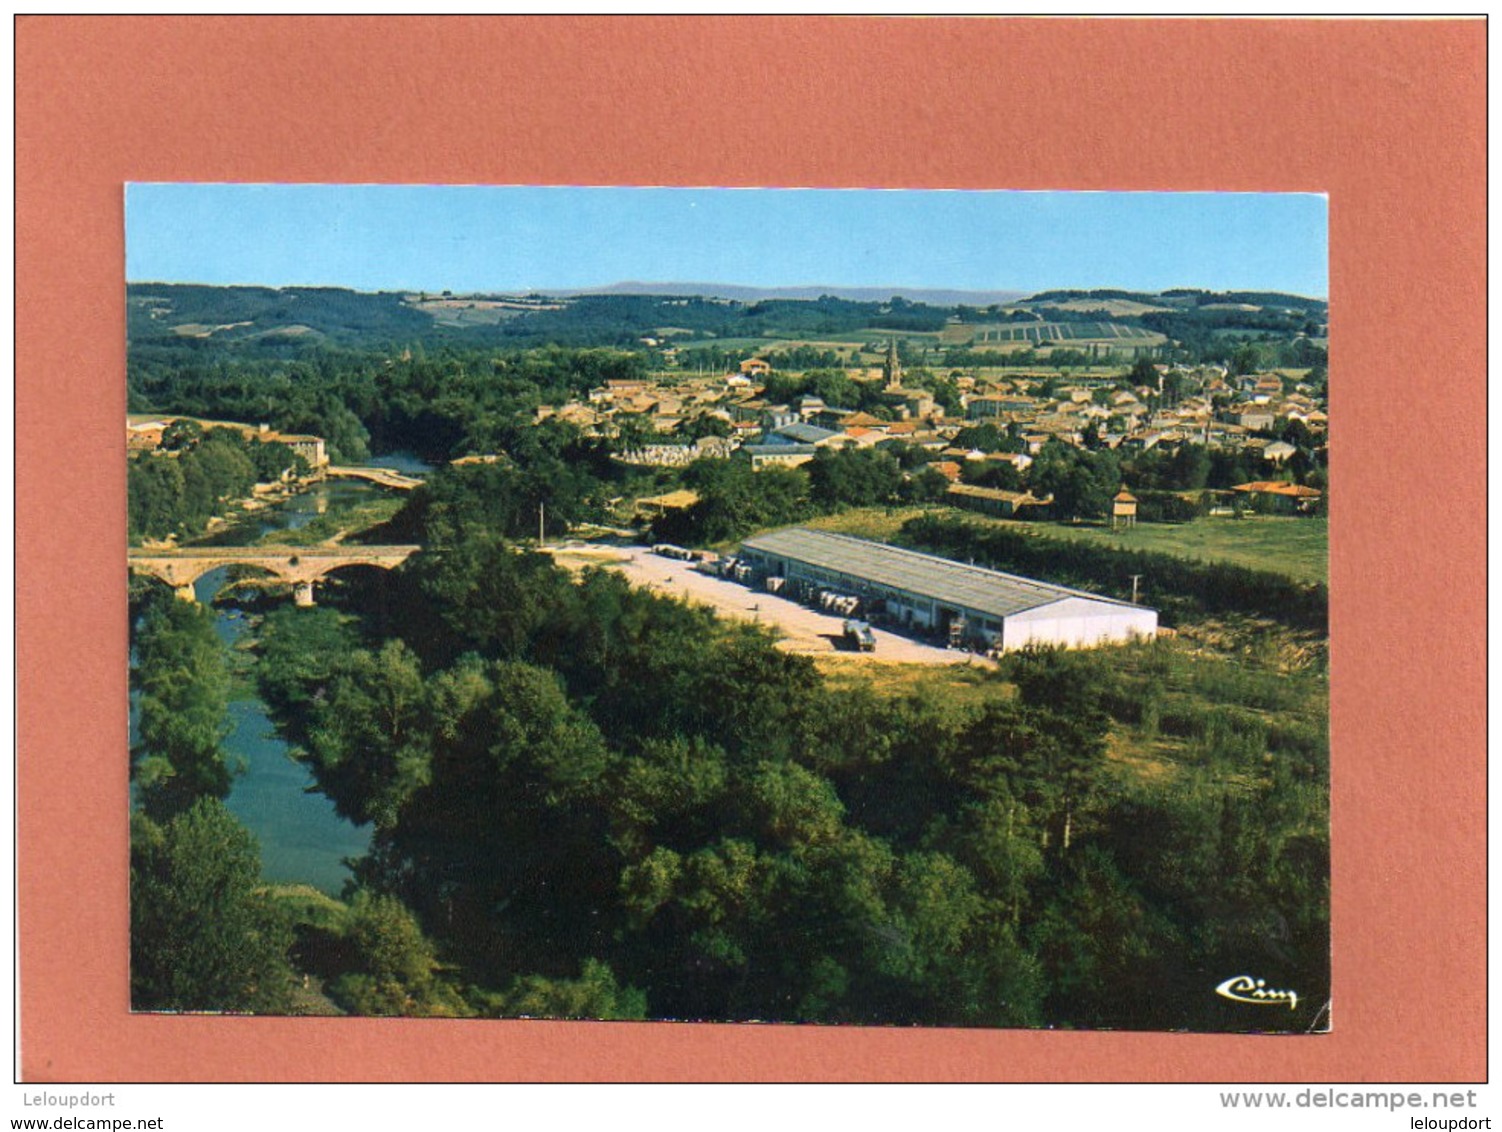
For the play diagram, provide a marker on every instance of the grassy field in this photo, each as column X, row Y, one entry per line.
column 847, row 339
column 758, row 343
column 1298, row 548
column 877, row 334
column 1125, row 308
column 961, row 684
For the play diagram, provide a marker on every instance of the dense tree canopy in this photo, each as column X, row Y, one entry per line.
column 183, row 692
column 1081, row 482
column 177, row 490
column 204, row 935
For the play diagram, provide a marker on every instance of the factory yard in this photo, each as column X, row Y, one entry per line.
column 802, row 630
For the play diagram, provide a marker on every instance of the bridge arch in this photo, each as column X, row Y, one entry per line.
column 298, row 566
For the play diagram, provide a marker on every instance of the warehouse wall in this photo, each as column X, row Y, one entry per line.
column 1078, row 622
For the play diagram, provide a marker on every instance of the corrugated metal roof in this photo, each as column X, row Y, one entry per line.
column 779, row 449
column 944, row 580
column 804, row 433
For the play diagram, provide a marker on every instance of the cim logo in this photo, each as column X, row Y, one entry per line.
column 1244, row 988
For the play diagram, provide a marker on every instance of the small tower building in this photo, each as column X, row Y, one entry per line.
column 892, row 368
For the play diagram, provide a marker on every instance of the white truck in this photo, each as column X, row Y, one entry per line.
column 859, row 635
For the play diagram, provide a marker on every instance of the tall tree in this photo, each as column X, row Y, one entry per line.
column 856, row 477
column 370, row 738
column 204, row 933
column 395, row 968
column 180, row 671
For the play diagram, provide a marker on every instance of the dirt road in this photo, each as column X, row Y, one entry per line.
column 802, row 630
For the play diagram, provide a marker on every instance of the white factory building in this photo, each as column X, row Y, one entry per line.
column 968, row 603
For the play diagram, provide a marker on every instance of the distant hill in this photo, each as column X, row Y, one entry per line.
column 936, row 297
column 281, row 320
column 183, row 319
column 187, row 312
column 1200, row 324
column 1182, row 298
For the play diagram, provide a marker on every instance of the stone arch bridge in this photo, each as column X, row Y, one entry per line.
column 385, row 477
column 300, row 566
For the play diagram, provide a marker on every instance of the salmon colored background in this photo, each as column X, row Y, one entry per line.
column 1386, row 117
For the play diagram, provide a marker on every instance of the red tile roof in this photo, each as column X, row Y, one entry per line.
column 1272, row 487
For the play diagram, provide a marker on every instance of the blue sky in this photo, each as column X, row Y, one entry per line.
column 483, row 238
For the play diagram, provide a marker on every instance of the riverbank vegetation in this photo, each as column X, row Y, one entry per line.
column 204, row 936
column 177, row 489
column 343, row 519
column 182, row 679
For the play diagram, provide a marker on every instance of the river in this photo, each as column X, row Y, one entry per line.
column 303, row 841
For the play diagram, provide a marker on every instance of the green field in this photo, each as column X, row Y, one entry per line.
column 757, row 343
column 843, row 339
column 1295, row 547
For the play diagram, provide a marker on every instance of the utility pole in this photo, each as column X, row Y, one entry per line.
column 1134, row 587
column 542, row 538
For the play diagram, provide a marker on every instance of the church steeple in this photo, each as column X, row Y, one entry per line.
column 892, row 369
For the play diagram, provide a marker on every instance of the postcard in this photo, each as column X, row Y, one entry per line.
column 1380, row 120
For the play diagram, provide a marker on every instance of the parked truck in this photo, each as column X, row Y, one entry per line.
column 859, row 635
